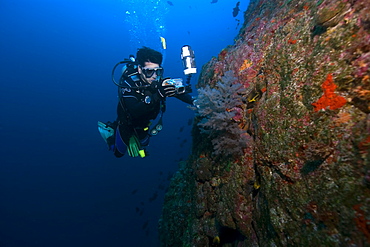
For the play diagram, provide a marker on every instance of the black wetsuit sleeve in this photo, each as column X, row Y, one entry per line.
column 185, row 98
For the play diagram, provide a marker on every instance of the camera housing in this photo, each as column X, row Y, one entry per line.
column 177, row 82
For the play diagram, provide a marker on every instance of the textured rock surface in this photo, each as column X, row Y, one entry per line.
column 299, row 74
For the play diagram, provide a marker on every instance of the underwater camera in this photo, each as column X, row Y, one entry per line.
column 177, row 82
column 188, row 61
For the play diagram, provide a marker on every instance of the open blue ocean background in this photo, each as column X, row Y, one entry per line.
column 59, row 185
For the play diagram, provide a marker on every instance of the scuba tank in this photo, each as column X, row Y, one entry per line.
column 129, row 70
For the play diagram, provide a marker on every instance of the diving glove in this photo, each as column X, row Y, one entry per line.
column 167, row 90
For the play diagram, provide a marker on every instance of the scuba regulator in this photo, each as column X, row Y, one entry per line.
column 128, row 70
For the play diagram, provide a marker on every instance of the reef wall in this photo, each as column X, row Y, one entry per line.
column 282, row 134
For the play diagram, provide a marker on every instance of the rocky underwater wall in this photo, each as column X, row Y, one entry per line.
column 282, row 135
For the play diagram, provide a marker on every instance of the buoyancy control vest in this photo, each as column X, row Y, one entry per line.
column 131, row 84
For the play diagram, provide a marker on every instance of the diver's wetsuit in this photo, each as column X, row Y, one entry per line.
column 138, row 105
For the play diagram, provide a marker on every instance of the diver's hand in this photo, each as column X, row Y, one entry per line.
column 167, row 91
column 196, row 104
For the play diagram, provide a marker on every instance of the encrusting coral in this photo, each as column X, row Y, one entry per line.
column 329, row 99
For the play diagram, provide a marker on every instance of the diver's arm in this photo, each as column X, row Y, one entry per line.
column 187, row 98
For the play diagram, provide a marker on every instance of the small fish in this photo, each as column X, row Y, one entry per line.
column 170, row 3
column 154, row 196
column 133, row 192
column 237, row 24
column 161, row 187
column 145, row 225
column 216, row 240
column 182, row 129
column 236, row 9
column 190, row 121
column 214, row 1
column 183, row 143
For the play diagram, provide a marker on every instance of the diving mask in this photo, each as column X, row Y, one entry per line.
column 149, row 72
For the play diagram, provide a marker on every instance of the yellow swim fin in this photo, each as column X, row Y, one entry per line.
column 134, row 148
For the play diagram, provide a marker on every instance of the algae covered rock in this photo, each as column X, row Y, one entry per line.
column 302, row 104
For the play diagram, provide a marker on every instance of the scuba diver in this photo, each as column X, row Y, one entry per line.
column 142, row 94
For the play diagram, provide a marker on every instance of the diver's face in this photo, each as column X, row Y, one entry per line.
column 150, row 71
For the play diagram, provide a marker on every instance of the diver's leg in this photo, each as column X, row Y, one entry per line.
column 143, row 136
column 120, row 147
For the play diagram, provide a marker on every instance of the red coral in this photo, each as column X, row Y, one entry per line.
column 292, row 41
column 222, row 54
column 364, row 145
column 329, row 99
column 361, row 221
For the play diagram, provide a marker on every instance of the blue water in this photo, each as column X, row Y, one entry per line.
column 59, row 185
